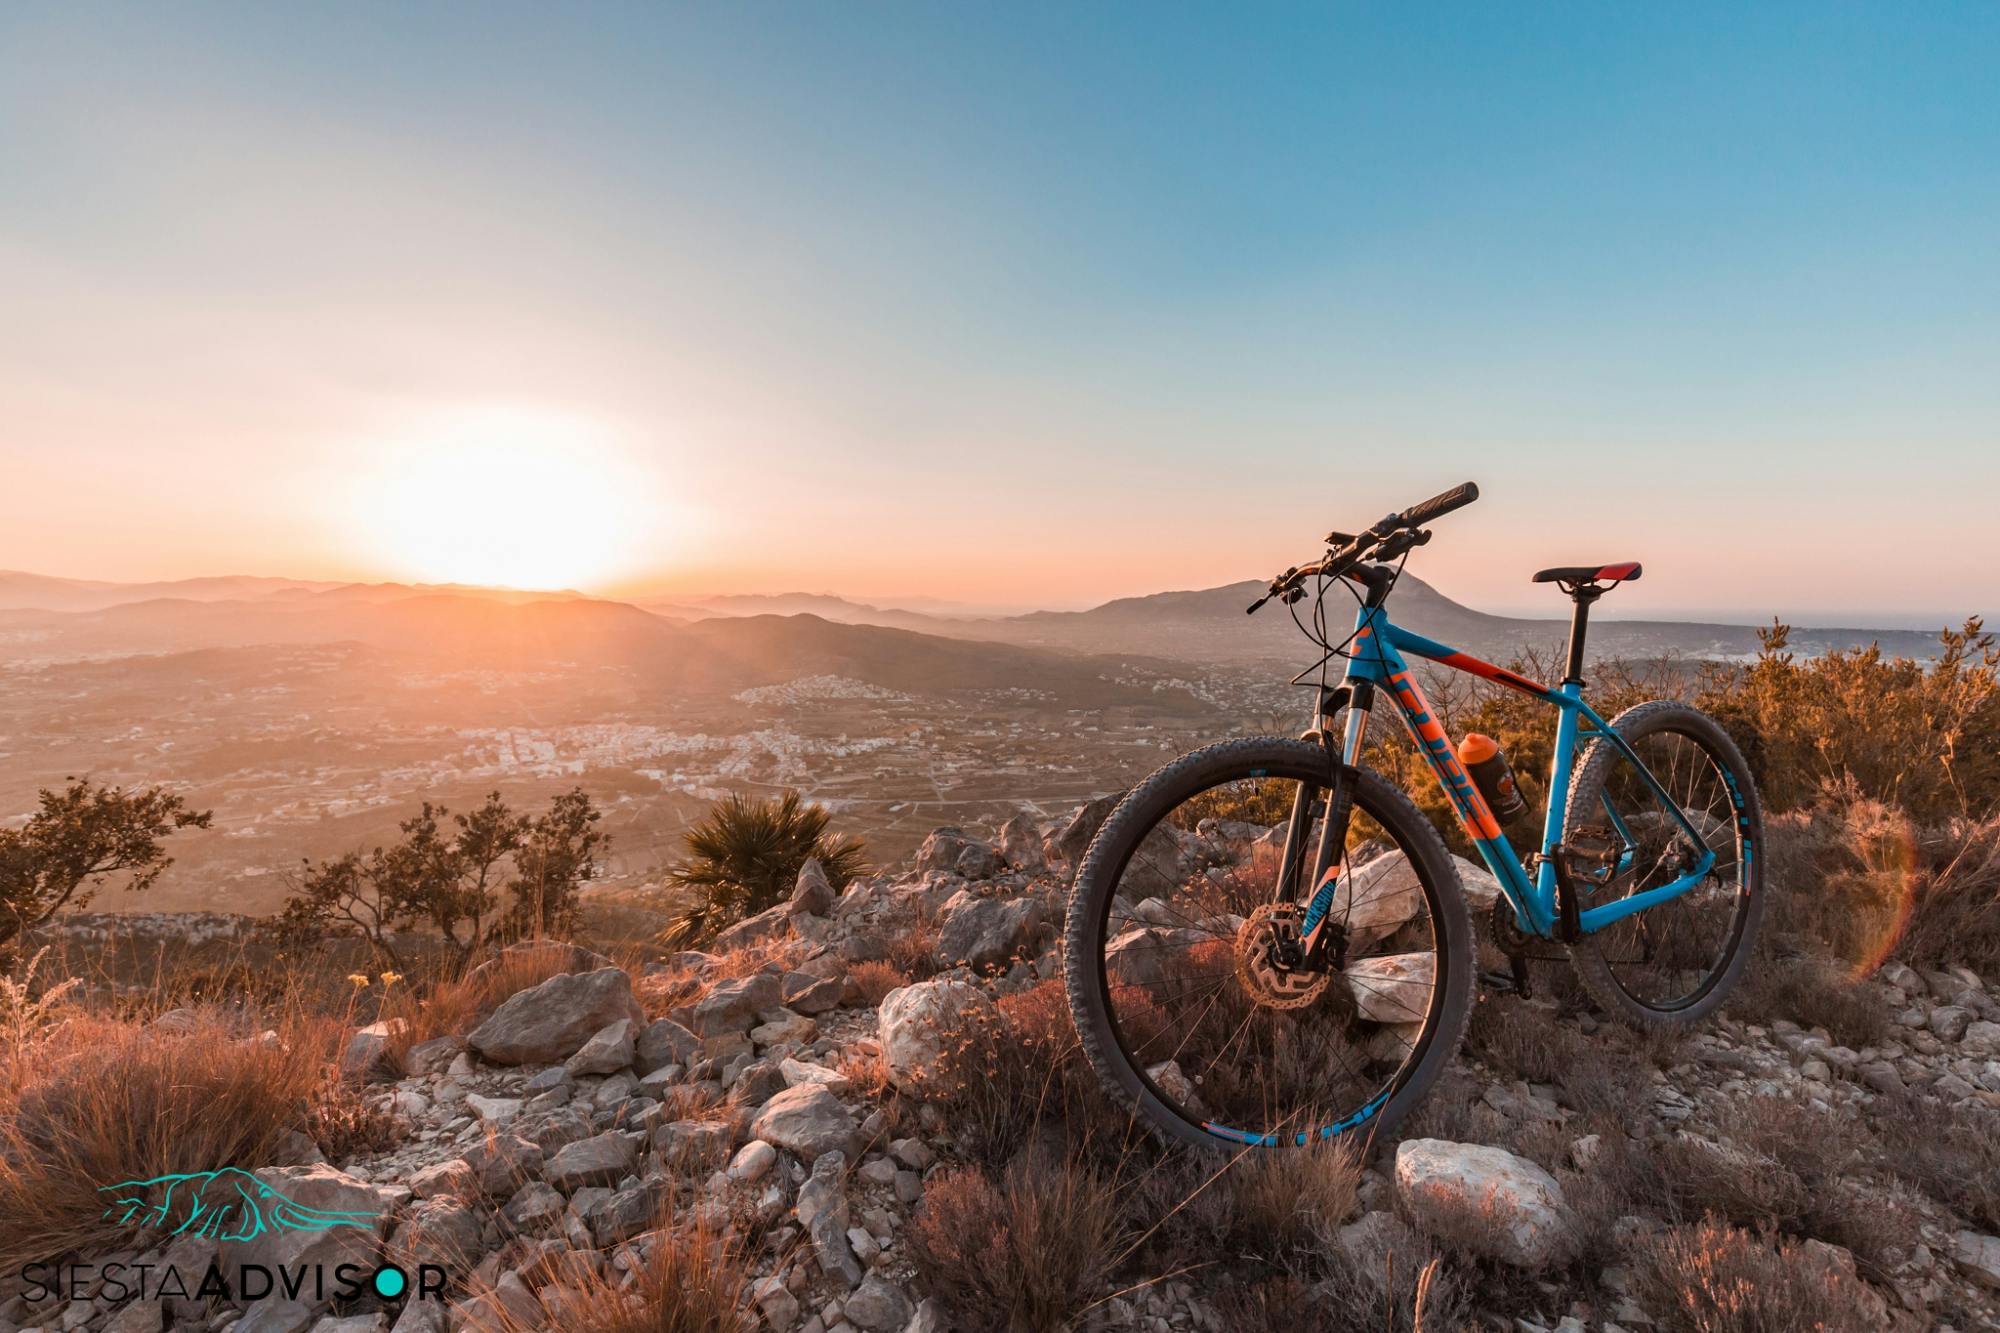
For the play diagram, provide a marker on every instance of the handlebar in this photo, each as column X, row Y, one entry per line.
column 1396, row 532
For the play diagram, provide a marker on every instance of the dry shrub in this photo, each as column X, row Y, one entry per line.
column 1789, row 1168
column 913, row 952
column 1602, row 1071
column 690, row 1280
column 1410, row 1289
column 110, row 1101
column 1857, row 880
column 1950, row 1153
column 1008, row 1071
column 1712, row 1278
column 1293, row 1198
column 1813, row 993
column 866, row 1075
column 1023, row 1253
column 876, row 980
column 345, row 1122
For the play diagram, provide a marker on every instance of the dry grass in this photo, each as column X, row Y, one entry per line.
column 875, row 980
column 1711, row 1278
column 1296, row 1200
column 913, row 952
column 1950, row 1153
column 1027, row 1252
column 1782, row 1166
column 1812, row 993
column 107, row 1101
column 690, row 1280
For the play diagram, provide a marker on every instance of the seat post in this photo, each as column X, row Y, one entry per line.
column 1582, row 595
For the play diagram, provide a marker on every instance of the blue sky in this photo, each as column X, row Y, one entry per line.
column 1024, row 304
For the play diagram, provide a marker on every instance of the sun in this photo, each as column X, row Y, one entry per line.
column 519, row 499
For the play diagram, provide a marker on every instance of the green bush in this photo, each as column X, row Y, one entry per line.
column 745, row 855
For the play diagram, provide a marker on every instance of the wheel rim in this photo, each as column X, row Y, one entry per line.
column 1227, row 1052
column 1670, row 956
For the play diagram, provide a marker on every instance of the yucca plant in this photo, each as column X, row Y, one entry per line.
column 745, row 855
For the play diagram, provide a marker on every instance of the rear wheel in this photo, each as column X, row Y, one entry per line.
column 1673, row 963
column 1187, row 971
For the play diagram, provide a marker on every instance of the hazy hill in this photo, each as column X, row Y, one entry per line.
column 43, row 592
column 717, row 654
column 824, row 605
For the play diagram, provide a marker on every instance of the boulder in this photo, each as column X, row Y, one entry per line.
column 917, row 1022
column 808, row 994
column 941, row 851
column 603, row 1159
column 734, row 1006
column 1144, row 956
column 770, row 924
column 430, row 1057
column 1501, row 1206
column 442, row 1231
column 988, row 933
column 1020, row 843
column 609, row 1050
column 813, row 893
column 348, row 1216
column 822, row 1211
column 664, row 1042
column 546, row 1024
column 878, row 1305
column 693, row 1146
column 1392, row 989
column 1068, row 845
column 366, row 1059
column 806, row 1121
column 453, row 1179
column 1978, row 1257
column 978, row 861
column 502, row 1163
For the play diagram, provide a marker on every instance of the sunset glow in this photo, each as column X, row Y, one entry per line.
column 505, row 497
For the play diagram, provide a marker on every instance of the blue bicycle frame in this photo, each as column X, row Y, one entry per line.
column 1376, row 659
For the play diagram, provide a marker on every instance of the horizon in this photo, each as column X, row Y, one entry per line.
column 944, row 608
column 1039, row 311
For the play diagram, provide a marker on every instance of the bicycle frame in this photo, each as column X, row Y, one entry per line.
column 1376, row 660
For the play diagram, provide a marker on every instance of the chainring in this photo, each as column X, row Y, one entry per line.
column 1274, row 987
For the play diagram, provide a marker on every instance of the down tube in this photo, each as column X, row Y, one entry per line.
column 1379, row 660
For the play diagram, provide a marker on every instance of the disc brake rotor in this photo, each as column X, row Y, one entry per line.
column 1273, row 929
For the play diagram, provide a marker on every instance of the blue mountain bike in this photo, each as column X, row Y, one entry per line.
column 1268, row 944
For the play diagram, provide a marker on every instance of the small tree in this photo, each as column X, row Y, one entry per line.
column 447, row 874
column 78, row 839
column 557, row 855
column 745, row 855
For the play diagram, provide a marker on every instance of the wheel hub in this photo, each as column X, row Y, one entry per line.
column 1269, row 958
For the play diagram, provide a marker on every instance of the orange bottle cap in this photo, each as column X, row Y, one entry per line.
column 1477, row 748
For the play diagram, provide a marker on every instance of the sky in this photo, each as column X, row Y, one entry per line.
column 1007, row 305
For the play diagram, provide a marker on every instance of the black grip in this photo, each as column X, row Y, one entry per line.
column 1458, row 497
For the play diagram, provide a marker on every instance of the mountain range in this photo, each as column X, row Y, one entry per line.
column 732, row 641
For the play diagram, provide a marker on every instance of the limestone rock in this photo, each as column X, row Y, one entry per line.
column 916, row 1023
column 1504, row 1206
column 546, row 1024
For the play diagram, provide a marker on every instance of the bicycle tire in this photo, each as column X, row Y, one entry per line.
column 1141, row 811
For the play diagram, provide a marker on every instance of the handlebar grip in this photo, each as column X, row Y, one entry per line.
column 1458, row 497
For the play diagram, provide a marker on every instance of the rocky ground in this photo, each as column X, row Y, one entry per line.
column 764, row 1091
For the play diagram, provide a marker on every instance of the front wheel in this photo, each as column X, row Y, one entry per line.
column 1671, row 964
column 1203, row 995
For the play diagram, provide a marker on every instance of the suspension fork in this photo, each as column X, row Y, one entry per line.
column 1359, row 696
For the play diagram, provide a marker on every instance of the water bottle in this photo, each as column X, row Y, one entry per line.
column 1487, row 767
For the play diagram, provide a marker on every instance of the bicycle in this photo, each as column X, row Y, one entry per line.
column 1202, row 962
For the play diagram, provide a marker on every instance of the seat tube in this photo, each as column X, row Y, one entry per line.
column 1559, row 773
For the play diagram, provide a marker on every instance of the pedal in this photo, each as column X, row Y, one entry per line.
column 1517, row 965
column 1514, row 981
